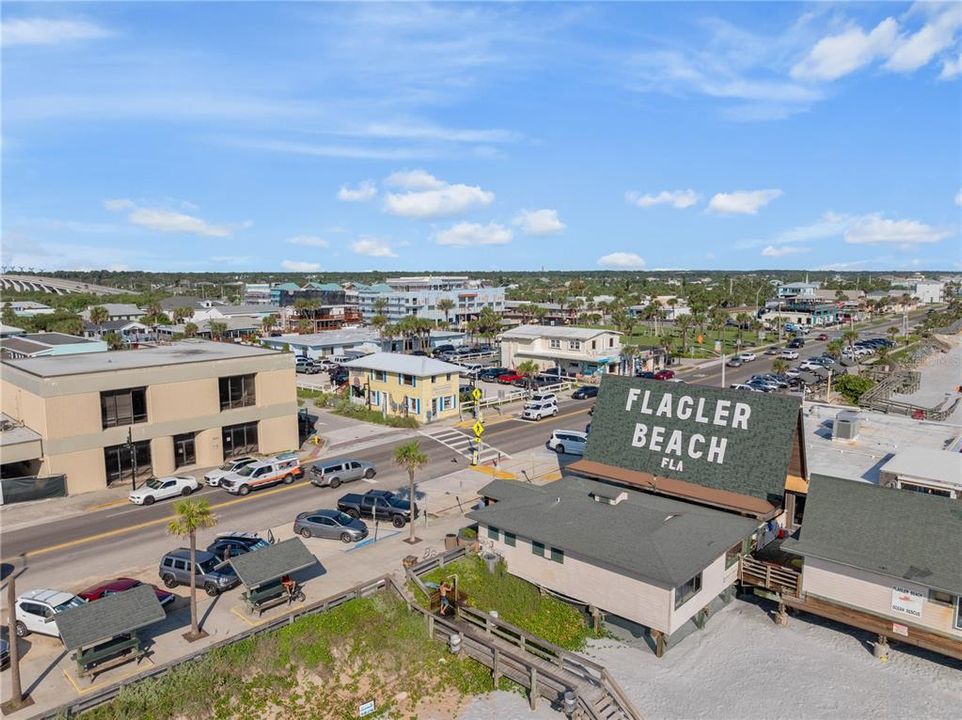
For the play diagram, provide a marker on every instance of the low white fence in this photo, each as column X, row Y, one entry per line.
column 506, row 397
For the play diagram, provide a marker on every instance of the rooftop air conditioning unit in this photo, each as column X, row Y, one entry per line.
column 846, row 426
column 609, row 499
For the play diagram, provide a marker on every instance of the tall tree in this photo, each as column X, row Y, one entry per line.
column 98, row 316
column 217, row 329
column 189, row 517
column 410, row 458
column 446, row 305
column 528, row 369
column 190, row 330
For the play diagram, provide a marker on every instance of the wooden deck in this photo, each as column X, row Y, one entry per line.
column 770, row 576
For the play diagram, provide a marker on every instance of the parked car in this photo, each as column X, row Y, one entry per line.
column 330, row 524
column 539, row 410
column 585, row 392
column 4, row 653
column 231, row 544
column 773, row 350
column 734, row 362
column 796, row 343
column 120, row 585
column 570, row 442
column 213, row 477
column 162, row 488
column 36, row 611
column 646, row 375
column 821, row 337
column 262, row 473
column 213, row 575
column 331, row 473
column 378, row 505
column 747, row 357
column 492, row 374
column 543, row 397
column 664, row 374
column 509, row 378
column 443, row 349
column 789, row 355
column 743, row 386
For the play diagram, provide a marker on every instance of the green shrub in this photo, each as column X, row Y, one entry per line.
column 853, row 387
column 321, row 399
column 360, row 412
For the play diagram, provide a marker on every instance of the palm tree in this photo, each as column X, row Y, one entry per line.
column 378, row 322
column 893, row 333
column 98, row 316
column 629, row 351
column 182, row 313
column 191, row 516
column 834, row 348
column 410, row 458
column 528, row 369
column 190, row 330
column 446, row 305
column 779, row 366
column 217, row 329
column 684, row 324
column 113, row 340
column 303, row 326
column 849, row 337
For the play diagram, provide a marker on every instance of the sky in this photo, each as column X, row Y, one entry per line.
column 504, row 136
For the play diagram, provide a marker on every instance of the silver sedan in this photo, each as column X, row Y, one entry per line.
column 332, row 524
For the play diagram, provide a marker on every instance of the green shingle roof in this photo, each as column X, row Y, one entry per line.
column 891, row 532
column 756, row 452
column 272, row 563
column 661, row 540
column 110, row 616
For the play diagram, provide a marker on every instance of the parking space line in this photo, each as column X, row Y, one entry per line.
column 134, row 670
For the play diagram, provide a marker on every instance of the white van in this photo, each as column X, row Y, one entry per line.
column 569, row 442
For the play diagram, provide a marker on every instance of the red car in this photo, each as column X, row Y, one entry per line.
column 664, row 375
column 509, row 378
column 119, row 585
column 822, row 336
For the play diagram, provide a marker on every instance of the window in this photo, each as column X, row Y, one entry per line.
column 555, row 344
column 943, row 598
column 123, row 462
column 184, row 450
column 434, row 379
column 958, row 613
column 409, row 380
column 537, row 548
column 123, row 407
column 236, row 391
column 557, row 555
column 611, row 342
column 380, row 375
column 574, row 344
column 239, row 439
column 510, row 539
column 494, row 533
column 594, row 344
column 685, row 591
column 923, row 490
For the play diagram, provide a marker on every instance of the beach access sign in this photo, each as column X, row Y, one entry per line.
column 724, row 439
column 906, row 601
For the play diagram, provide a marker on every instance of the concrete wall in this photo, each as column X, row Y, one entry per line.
column 873, row 593
column 631, row 598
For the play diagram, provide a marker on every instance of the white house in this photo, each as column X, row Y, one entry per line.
column 576, row 350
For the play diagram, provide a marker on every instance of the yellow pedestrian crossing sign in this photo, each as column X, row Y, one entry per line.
column 476, row 394
column 478, row 428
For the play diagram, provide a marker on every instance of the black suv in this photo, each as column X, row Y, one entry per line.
column 796, row 343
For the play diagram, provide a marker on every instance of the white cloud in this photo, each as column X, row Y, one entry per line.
column 168, row 221
column 838, row 55
column 429, row 197
column 680, row 199
column 622, row 260
column 414, row 180
column 875, row 230
column 742, row 202
column 958, row 198
column 372, row 247
column 118, row 204
column 470, row 234
column 917, row 50
column 539, row 222
column 362, row 193
column 353, row 152
column 951, row 68
column 429, row 131
column 782, row 250
column 308, row 241
column 300, row 266
column 43, row 31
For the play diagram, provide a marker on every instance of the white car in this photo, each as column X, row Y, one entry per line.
column 214, row 477
column 162, row 488
column 743, row 386
column 788, row 355
column 537, row 411
column 747, row 357
column 541, row 397
column 809, row 365
column 37, row 609
column 570, row 442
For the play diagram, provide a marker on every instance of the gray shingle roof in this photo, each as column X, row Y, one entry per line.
column 891, row 532
column 417, row 365
column 661, row 540
column 555, row 331
column 757, row 452
column 110, row 616
column 509, row 490
column 271, row 563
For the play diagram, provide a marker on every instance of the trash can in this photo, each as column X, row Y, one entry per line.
column 450, row 541
column 491, row 560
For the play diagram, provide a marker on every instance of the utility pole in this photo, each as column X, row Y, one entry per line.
column 17, row 699
column 723, row 368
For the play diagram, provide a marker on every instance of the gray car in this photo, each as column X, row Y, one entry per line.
column 212, row 574
column 332, row 524
column 331, row 473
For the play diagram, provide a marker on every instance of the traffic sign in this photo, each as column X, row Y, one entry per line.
column 478, row 428
column 476, row 394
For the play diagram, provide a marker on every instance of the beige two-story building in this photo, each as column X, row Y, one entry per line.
column 575, row 350
column 109, row 417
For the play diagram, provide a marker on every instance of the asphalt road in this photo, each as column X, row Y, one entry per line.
column 83, row 534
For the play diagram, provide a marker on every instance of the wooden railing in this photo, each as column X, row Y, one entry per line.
column 770, row 576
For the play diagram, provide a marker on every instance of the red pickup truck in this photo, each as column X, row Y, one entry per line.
column 509, row 378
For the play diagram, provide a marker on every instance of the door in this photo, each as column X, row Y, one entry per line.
column 326, row 527
column 355, row 472
column 32, row 615
column 168, row 489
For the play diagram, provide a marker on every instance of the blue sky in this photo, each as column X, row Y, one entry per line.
column 269, row 136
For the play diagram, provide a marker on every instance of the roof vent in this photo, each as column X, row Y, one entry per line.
column 846, row 426
column 609, row 499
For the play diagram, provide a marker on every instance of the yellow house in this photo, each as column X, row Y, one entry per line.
column 405, row 385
